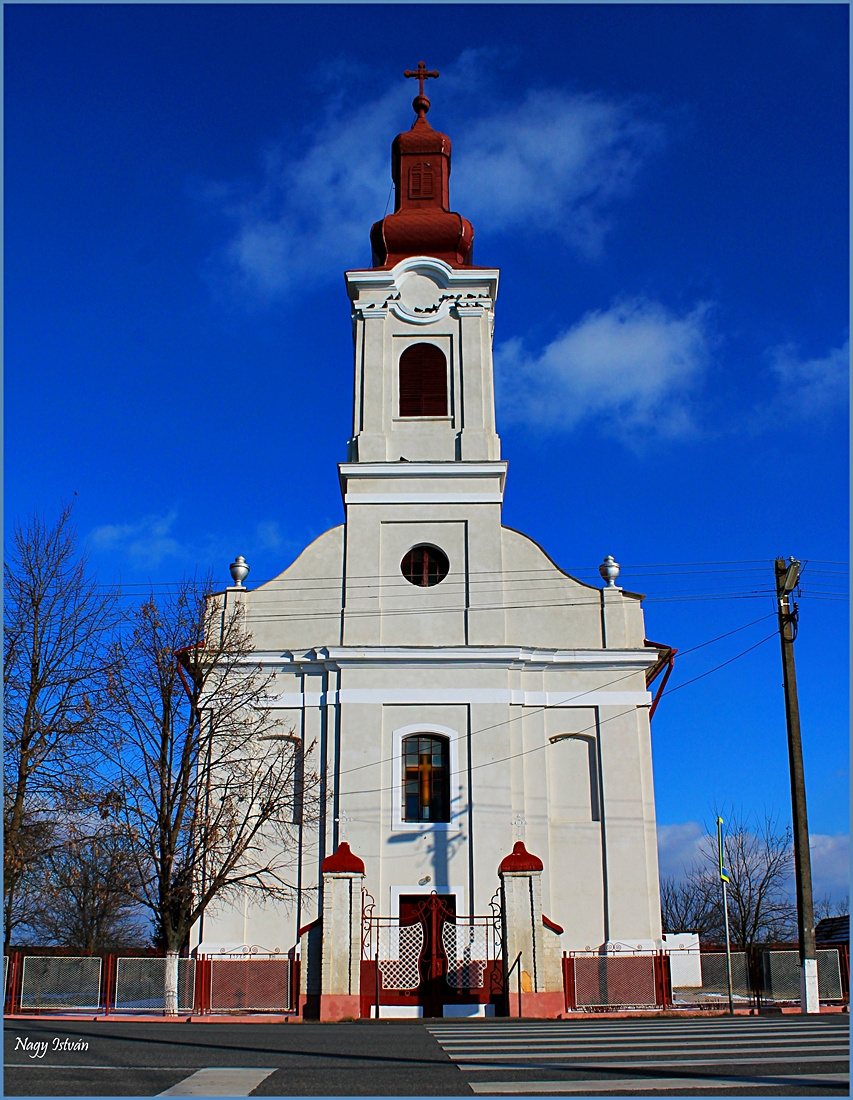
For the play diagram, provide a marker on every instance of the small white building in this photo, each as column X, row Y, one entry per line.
column 462, row 691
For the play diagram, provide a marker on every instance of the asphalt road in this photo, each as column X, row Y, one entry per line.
column 378, row 1058
column 749, row 1056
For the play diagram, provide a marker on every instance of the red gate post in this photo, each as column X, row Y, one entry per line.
column 13, row 983
column 18, row 984
column 106, row 987
column 197, row 984
column 376, row 972
column 569, row 981
column 663, row 980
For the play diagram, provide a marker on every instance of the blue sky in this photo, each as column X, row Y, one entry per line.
column 665, row 191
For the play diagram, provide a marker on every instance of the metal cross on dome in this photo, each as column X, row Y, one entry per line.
column 421, row 74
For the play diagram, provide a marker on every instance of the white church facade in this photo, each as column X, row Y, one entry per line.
column 466, row 697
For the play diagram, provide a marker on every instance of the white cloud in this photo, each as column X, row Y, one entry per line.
column 267, row 535
column 830, row 858
column 678, row 848
column 632, row 367
column 145, row 543
column 809, row 387
column 151, row 541
column 555, row 162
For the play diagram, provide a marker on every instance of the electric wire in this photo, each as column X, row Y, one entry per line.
column 740, row 566
column 533, row 711
column 593, row 726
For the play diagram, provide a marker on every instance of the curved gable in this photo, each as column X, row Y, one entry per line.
column 301, row 607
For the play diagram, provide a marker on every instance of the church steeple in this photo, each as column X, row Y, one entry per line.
column 422, row 223
column 423, row 318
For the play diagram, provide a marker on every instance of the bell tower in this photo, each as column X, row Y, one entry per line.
column 423, row 318
column 424, row 481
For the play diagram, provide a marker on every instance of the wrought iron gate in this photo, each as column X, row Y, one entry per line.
column 431, row 962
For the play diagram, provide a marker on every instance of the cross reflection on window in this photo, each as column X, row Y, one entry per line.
column 426, row 779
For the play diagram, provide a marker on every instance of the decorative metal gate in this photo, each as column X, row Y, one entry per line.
column 430, row 961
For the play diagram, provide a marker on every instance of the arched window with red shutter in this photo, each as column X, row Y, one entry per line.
column 423, row 381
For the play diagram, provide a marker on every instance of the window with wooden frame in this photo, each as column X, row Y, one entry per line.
column 423, row 381
column 426, row 778
column 425, row 566
column 421, row 181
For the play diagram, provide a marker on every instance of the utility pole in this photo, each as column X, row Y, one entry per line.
column 724, row 878
column 787, row 578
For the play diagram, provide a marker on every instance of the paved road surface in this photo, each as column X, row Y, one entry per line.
column 379, row 1058
column 745, row 1056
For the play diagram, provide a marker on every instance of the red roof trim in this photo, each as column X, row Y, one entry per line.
column 520, row 860
column 342, row 862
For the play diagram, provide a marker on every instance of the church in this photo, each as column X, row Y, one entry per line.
column 480, row 718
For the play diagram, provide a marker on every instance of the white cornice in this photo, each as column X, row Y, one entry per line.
column 387, row 471
column 442, row 273
column 296, row 700
column 423, row 498
column 463, row 656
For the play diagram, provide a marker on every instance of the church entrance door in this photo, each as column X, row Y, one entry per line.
column 432, row 911
column 430, row 961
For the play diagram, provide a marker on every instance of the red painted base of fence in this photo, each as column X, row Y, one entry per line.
column 263, row 988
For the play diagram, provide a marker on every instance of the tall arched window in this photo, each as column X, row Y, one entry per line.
column 426, row 779
column 423, row 381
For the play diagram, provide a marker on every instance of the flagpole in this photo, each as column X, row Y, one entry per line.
column 724, row 878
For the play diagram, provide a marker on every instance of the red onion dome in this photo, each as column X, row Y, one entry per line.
column 342, row 862
column 520, row 859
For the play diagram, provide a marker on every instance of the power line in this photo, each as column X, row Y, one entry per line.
column 744, row 565
column 592, row 727
column 702, row 675
column 530, row 712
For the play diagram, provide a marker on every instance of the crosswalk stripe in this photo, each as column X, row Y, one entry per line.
column 747, row 1054
column 481, row 1065
column 217, row 1081
column 686, row 1037
column 523, row 1088
column 682, row 1025
column 494, row 1023
column 574, row 1044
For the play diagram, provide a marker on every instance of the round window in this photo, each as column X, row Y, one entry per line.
column 424, row 566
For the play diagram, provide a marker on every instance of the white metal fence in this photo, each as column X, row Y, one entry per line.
column 140, row 985
column 715, row 978
column 781, row 975
column 69, row 982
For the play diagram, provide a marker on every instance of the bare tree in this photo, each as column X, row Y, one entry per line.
column 759, row 859
column 690, row 905
column 830, row 906
column 85, row 891
column 56, row 623
column 209, row 785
